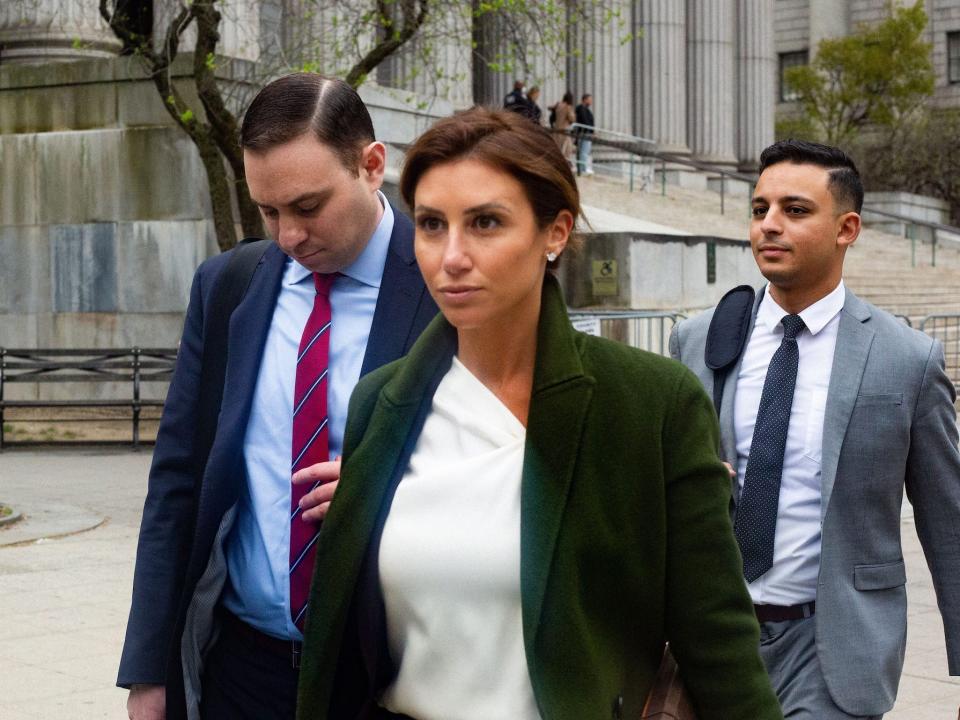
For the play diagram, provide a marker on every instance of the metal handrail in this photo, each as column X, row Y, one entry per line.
column 643, row 329
column 646, row 147
column 635, row 144
column 945, row 327
column 916, row 221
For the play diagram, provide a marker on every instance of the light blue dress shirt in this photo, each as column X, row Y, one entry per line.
column 258, row 548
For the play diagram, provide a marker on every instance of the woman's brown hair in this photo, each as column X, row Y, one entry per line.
column 506, row 141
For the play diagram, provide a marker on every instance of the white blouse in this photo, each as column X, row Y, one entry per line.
column 450, row 563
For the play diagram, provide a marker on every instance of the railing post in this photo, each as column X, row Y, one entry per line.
column 663, row 177
column 136, row 398
column 912, row 236
column 933, row 248
column 631, row 173
column 3, row 374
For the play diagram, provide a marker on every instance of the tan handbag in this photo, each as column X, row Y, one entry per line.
column 668, row 699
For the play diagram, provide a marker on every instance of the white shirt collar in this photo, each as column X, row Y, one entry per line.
column 368, row 267
column 815, row 317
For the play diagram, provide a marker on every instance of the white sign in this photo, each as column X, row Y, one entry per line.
column 588, row 325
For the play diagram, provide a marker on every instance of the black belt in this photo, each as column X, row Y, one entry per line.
column 781, row 613
column 287, row 650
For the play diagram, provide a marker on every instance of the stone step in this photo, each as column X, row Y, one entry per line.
column 905, row 290
column 908, row 298
column 884, row 269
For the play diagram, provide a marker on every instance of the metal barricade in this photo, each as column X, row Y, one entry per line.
column 946, row 328
column 127, row 369
column 644, row 329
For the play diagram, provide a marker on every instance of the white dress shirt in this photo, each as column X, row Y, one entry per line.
column 796, row 552
column 450, row 563
column 258, row 548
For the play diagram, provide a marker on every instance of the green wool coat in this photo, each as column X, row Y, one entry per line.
column 625, row 531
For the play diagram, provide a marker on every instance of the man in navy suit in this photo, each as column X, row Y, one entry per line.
column 211, row 631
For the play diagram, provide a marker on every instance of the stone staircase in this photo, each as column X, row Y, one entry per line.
column 880, row 267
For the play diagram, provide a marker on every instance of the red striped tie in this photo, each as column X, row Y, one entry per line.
column 310, row 439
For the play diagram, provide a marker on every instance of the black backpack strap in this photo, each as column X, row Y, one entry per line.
column 727, row 336
column 230, row 287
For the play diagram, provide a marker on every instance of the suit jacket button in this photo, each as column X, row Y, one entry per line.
column 618, row 708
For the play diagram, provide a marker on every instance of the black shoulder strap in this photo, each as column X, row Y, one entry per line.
column 230, row 287
column 727, row 336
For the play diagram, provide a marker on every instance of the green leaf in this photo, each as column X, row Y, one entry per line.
column 877, row 76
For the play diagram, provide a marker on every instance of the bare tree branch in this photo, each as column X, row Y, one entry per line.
column 390, row 42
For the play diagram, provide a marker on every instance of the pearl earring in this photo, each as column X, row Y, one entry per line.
column 551, row 256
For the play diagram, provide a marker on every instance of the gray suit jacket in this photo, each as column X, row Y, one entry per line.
column 890, row 425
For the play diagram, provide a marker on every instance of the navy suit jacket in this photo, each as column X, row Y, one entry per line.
column 183, row 511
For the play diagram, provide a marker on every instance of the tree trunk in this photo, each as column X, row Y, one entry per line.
column 224, row 129
column 219, row 183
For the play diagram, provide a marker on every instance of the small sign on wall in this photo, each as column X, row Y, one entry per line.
column 604, row 277
column 588, row 325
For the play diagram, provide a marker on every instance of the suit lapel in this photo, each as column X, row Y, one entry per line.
column 349, row 549
column 249, row 325
column 728, row 428
column 558, row 408
column 854, row 338
column 402, row 291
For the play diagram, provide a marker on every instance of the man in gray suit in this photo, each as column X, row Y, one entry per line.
column 833, row 409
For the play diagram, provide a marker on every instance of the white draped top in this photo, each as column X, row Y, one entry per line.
column 450, row 563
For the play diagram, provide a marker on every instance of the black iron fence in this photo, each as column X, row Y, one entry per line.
column 83, row 371
column 86, row 371
column 644, row 329
column 946, row 328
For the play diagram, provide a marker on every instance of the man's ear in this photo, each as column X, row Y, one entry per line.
column 373, row 163
column 848, row 229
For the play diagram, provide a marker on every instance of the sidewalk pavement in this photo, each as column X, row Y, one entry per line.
column 64, row 600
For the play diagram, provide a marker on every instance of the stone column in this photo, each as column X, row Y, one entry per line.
column 601, row 67
column 489, row 86
column 33, row 31
column 326, row 37
column 711, row 48
column 240, row 29
column 435, row 67
column 660, row 67
column 550, row 73
column 828, row 19
column 757, row 86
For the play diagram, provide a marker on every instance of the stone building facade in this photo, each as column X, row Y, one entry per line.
column 802, row 24
column 104, row 212
column 698, row 79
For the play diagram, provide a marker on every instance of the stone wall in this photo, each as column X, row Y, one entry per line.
column 104, row 205
column 659, row 272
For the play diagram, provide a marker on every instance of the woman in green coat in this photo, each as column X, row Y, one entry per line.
column 526, row 513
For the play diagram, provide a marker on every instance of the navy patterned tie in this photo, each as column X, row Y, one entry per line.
column 756, row 522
